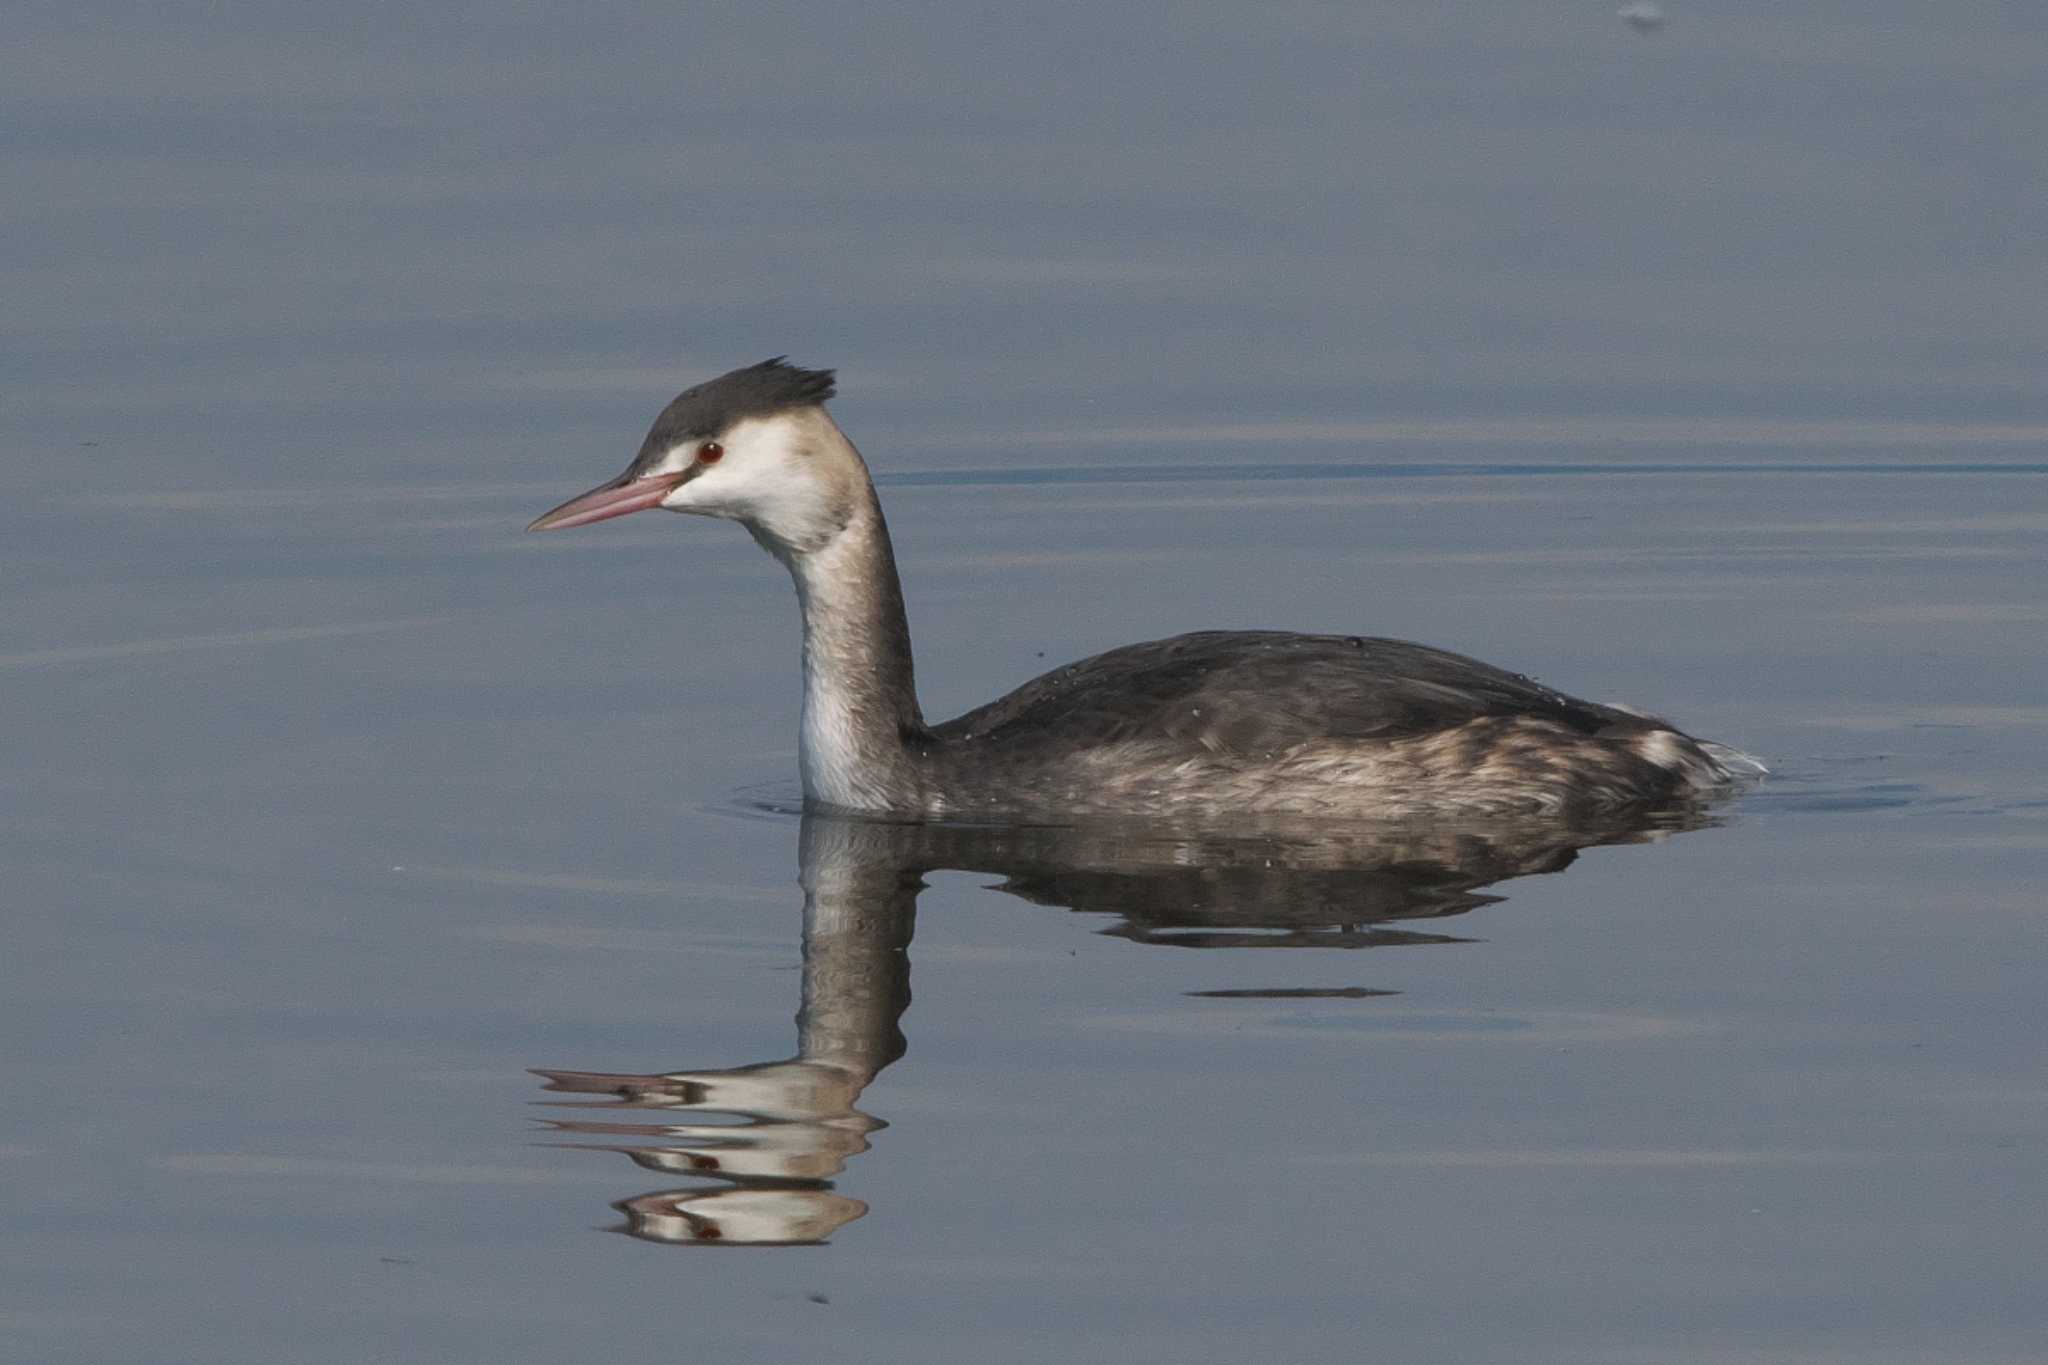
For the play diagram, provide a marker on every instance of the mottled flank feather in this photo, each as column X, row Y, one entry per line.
column 1274, row 722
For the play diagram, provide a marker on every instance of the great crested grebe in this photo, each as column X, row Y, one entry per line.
column 1212, row 724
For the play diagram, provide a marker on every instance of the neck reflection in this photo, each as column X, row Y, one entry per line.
column 761, row 1144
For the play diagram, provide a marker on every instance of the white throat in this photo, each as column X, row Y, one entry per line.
column 828, row 747
column 859, row 695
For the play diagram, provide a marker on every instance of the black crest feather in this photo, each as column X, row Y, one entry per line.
column 706, row 409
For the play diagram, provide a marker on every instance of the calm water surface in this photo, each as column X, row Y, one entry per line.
column 410, row 955
column 410, row 908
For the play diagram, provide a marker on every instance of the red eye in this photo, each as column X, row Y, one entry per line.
column 711, row 452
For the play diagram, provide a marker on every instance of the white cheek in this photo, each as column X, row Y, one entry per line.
column 765, row 479
column 738, row 486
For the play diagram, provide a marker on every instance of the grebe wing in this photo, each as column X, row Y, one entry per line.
column 1254, row 691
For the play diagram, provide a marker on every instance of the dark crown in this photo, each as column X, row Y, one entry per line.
column 709, row 408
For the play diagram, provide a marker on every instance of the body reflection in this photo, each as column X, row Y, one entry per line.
column 762, row 1143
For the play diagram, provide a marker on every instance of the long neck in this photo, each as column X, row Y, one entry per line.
column 860, row 714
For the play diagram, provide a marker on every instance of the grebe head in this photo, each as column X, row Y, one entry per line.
column 755, row 446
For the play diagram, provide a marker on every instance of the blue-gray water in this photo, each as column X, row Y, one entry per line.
column 1697, row 371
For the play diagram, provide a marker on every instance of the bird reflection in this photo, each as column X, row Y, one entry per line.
column 761, row 1144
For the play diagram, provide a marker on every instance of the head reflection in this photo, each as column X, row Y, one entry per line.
column 761, row 1144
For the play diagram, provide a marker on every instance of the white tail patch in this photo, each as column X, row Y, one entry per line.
column 1700, row 762
column 1667, row 750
